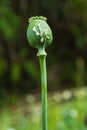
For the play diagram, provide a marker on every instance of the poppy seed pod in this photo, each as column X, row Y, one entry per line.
column 39, row 34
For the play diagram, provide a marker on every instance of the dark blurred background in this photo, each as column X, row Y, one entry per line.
column 66, row 60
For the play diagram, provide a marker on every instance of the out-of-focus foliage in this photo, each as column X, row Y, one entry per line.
column 9, row 21
column 76, row 15
column 19, row 68
column 67, row 110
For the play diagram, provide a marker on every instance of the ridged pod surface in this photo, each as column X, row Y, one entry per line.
column 39, row 34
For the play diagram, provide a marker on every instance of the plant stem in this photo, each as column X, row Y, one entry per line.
column 42, row 59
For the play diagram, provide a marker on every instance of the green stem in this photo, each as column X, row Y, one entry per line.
column 42, row 59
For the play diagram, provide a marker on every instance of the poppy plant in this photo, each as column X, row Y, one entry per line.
column 39, row 35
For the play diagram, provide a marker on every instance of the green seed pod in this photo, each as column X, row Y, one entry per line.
column 39, row 33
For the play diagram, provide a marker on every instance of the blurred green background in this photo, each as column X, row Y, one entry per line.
column 66, row 61
column 66, row 64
